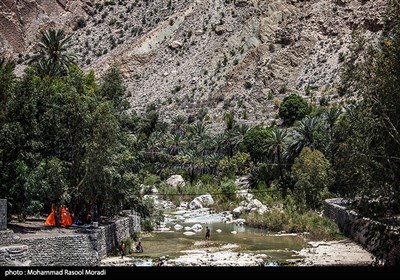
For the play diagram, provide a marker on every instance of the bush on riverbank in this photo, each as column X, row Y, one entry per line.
column 187, row 194
column 223, row 193
column 277, row 220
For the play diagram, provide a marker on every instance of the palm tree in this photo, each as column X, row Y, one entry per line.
column 331, row 116
column 205, row 145
column 304, row 135
column 233, row 138
column 148, row 124
column 218, row 143
column 155, row 146
column 198, row 131
column 178, row 125
column 212, row 163
column 243, row 129
column 175, row 144
column 276, row 146
column 7, row 78
column 191, row 163
column 52, row 57
column 229, row 120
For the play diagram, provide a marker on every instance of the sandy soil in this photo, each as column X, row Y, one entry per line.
column 35, row 227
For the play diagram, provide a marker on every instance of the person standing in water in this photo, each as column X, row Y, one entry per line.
column 122, row 249
column 207, row 233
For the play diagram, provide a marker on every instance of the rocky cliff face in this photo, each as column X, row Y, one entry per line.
column 20, row 20
column 211, row 56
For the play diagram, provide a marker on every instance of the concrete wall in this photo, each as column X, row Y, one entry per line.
column 79, row 249
column 381, row 240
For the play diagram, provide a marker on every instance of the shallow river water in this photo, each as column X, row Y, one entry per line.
column 173, row 243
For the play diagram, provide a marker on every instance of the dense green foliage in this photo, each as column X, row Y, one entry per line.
column 67, row 138
column 293, row 108
column 62, row 142
column 368, row 153
column 311, row 171
column 255, row 140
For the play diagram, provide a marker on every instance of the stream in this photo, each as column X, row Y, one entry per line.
column 183, row 233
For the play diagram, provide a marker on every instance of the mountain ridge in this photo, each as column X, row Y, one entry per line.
column 213, row 56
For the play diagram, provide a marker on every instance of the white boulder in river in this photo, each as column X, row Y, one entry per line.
column 195, row 204
column 255, row 203
column 204, row 200
column 238, row 210
column 176, row 181
column 178, row 226
column 197, row 227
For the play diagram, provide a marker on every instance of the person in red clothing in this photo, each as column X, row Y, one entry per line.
column 66, row 219
column 122, row 249
column 51, row 219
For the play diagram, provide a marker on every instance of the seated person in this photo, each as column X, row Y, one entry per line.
column 139, row 248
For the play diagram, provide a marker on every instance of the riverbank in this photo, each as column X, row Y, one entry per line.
column 178, row 241
column 334, row 253
column 321, row 253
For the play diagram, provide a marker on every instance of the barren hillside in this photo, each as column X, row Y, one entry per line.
column 207, row 56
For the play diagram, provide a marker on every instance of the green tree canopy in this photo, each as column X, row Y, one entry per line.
column 293, row 108
column 311, row 171
column 368, row 155
column 255, row 141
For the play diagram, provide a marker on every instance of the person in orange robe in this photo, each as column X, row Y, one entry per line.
column 50, row 221
column 66, row 219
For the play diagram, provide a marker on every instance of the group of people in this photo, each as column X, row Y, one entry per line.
column 59, row 216
column 138, row 248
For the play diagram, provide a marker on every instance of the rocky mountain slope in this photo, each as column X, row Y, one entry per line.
column 201, row 58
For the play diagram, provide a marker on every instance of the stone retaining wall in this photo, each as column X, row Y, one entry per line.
column 78, row 249
column 14, row 255
column 66, row 250
column 3, row 214
column 381, row 240
column 6, row 237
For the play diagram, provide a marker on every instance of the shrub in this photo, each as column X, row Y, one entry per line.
column 293, row 108
column 80, row 24
column 147, row 225
column 255, row 141
column 228, row 189
column 248, row 85
column 276, row 220
column 151, row 180
column 237, row 165
column 311, row 171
